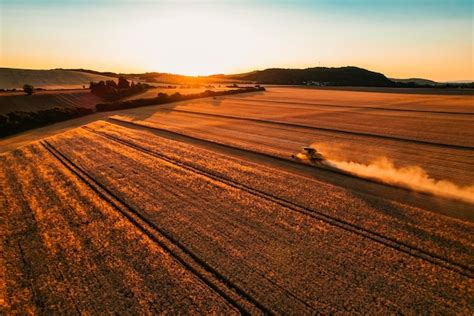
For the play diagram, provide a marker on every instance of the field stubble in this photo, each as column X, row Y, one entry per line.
column 190, row 208
column 128, row 219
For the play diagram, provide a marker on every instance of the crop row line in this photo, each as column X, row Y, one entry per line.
column 352, row 106
column 236, row 296
column 327, row 129
column 334, row 221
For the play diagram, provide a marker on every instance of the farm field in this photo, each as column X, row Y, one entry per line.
column 397, row 98
column 69, row 98
column 198, row 207
column 440, row 143
column 153, row 92
column 44, row 100
column 11, row 78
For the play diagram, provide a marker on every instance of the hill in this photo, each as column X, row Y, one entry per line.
column 342, row 76
column 461, row 81
column 94, row 72
column 319, row 76
column 418, row 81
column 162, row 77
column 11, row 78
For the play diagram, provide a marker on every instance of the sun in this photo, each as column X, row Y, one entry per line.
column 188, row 44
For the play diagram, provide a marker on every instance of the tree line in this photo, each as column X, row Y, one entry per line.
column 111, row 90
column 163, row 98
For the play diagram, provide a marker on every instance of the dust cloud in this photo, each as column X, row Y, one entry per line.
column 411, row 177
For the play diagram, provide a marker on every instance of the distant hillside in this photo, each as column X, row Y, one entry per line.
column 460, row 81
column 11, row 78
column 102, row 73
column 418, row 81
column 44, row 100
column 343, row 76
column 159, row 77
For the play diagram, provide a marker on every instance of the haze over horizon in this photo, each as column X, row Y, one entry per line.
column 400, row 39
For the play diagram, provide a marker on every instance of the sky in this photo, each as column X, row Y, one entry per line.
column 402, row 39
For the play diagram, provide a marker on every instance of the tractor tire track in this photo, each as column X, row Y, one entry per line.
column 340, row 223
column 236, row 296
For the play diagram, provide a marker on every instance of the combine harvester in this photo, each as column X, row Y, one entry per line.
column 309, row 155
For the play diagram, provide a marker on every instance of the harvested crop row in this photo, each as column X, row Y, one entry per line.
column 263, row 247
column 283, row 142
column 379, row 97
column 438, row 128
column 438, row 138
column 66, row 249
column 440, row 163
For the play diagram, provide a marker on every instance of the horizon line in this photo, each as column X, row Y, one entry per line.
column 222, row 73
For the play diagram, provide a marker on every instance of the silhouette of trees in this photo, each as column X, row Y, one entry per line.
column 163, row 98
column 123, row 83
column 111, row 90
column 18, row 121
column 342, row 76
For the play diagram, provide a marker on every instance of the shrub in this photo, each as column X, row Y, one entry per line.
column 18, row 121
column 123, row 83
column 28, row 89
column 111, row 91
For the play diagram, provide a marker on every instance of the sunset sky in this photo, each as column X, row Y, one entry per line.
column 402, row 39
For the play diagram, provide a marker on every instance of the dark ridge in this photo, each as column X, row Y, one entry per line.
column 343, row 76
column 102, row 73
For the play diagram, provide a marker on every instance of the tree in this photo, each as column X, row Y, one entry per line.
column 123, row 83
column 111, row 84
column 28, row 89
